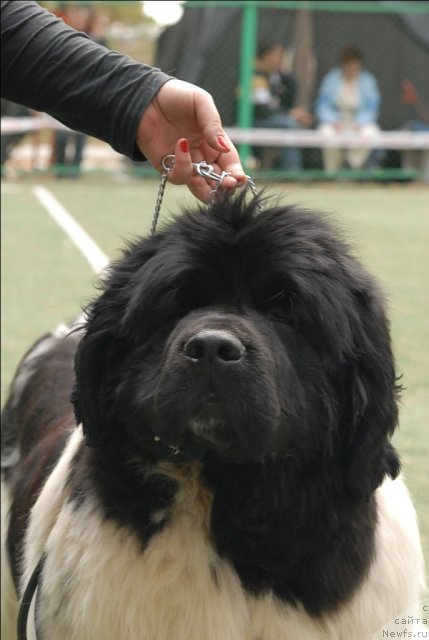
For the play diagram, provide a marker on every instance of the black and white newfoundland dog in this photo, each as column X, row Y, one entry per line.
column 224, row 469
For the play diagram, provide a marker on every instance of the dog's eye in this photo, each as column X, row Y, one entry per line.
column 278, row 307
column 186, row 298
column 275, row 298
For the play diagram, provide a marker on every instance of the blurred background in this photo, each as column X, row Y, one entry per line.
column 269, row 67
column 284, row 76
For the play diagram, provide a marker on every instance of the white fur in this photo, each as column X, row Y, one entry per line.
column 100, row 585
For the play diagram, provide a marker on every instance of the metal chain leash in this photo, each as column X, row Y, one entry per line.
column 204, row 170
column 167, row 165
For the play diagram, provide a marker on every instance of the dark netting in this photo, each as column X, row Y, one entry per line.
column 204, row 48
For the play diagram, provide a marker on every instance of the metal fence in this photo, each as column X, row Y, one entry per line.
column 216, row 44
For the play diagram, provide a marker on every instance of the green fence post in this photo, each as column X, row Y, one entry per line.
column 249, row 34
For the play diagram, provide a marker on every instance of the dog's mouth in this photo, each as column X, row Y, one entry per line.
column 207, row 430
column 209, row 425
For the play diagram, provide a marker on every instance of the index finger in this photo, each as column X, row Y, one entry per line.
column 210, row 122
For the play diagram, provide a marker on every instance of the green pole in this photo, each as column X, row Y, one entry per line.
column 249, row 34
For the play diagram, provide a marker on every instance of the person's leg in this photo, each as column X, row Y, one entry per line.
column 8, row 141
column 290, row 157
column 418, row 158
column 358, row 157
column 80, row 145
column 60, row 152
column 332, row 157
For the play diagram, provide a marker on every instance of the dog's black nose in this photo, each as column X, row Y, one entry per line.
column 214, row 346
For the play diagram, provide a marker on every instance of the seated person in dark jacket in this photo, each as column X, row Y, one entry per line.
column 273, row 96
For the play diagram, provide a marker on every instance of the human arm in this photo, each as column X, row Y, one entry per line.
column 50, row 67
column 326, row 107
column 53, row 68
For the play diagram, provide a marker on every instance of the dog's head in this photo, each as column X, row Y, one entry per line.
column 244, row 336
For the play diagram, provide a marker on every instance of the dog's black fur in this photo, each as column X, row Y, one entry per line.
column 258, row 346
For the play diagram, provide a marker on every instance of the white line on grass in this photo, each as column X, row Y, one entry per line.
column 91, row 251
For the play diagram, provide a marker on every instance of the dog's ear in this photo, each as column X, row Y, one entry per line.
column 371, row 397
column 105, row 342
column 90, row 397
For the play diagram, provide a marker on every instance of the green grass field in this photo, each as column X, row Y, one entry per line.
column 46, row 280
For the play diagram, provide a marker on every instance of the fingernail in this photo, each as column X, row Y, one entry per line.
column 222, row 143
column 184, row 145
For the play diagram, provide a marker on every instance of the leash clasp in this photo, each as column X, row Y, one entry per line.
column 206, row 170
column 203, row 169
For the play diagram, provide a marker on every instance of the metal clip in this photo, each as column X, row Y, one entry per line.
column 203, row 169
column 206, row 170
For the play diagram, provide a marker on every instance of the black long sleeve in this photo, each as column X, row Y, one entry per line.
column 50, row 67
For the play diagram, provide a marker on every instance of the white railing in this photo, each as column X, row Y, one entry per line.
column 316, row 139
column 266, row 137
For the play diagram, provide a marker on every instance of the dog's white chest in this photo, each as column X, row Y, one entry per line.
column 99, row 582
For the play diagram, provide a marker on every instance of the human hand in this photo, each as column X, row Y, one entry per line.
column 183, row 120
column 301, row 115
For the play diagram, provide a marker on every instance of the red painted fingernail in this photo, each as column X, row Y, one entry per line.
column 222, row 143
column 184, row 145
